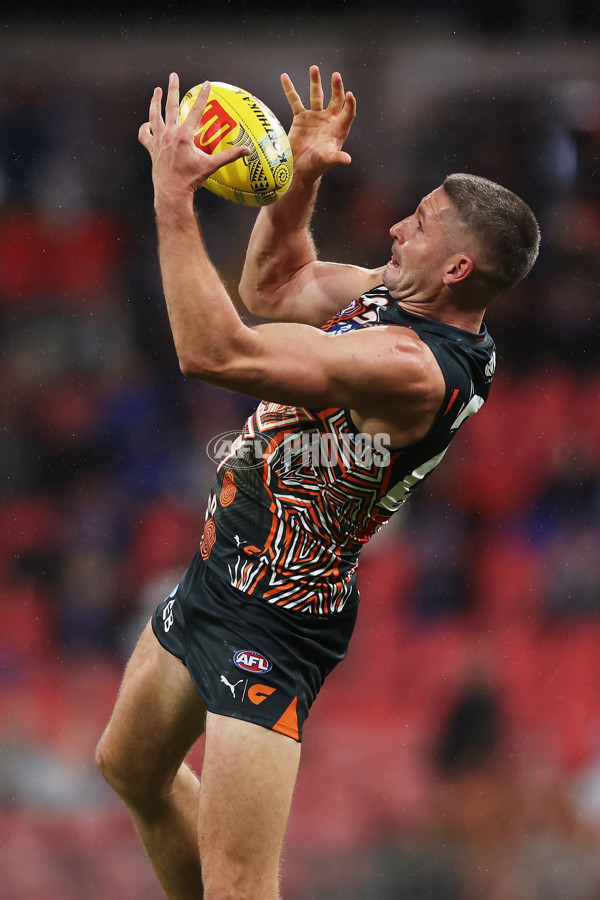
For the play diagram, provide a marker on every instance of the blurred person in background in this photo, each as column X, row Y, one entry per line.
column 511, row 830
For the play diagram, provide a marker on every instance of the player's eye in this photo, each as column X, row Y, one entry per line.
column 419, row 225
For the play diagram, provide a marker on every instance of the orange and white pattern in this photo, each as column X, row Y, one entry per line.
column 293, row 503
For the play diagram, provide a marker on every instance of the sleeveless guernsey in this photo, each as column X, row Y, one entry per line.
column 301, row 491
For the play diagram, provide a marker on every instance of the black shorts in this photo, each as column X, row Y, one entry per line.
column 247, row 658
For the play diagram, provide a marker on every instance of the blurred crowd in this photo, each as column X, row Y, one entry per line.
column 458, row 748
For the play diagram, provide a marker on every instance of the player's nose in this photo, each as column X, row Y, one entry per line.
column 397, row 232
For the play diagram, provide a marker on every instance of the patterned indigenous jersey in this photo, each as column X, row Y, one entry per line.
column 301, row 490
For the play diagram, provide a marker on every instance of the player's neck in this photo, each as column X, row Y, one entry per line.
column 467, row 320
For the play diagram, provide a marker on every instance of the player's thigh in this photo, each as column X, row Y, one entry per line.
column 248, row 779
column 157, row 718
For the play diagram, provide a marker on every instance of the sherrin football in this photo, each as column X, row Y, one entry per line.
column 234, row 117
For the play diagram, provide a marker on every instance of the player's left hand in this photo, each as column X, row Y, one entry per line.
column 179, row 167
column 318, row 132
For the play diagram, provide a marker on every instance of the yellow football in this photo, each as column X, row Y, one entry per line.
column 234, row 117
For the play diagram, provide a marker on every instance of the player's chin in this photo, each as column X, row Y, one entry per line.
column 390, row 275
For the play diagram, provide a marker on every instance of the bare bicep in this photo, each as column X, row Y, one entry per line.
column 385, row 372
column 316, row 292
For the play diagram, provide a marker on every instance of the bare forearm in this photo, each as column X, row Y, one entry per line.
column 203, row 320
column 280, row 245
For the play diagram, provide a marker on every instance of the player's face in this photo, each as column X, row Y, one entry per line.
column 421, row 248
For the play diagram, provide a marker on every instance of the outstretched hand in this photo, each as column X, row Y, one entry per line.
column 318, row 134
column 179, row 167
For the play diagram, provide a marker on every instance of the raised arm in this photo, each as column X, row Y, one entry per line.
column 282, row 279
column 386, row 375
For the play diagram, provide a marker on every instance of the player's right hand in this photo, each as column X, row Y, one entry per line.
column 179, row 167
column 318, row 134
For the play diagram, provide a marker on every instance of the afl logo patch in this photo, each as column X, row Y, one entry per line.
column 250, row 661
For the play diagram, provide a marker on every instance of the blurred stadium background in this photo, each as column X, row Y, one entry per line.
column 456, row 753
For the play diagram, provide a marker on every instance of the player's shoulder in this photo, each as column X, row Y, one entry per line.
column 413, row 353
column 403, row 365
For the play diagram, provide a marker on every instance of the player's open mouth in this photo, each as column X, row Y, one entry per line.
column 394, row 262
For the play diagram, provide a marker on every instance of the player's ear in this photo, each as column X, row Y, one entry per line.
column 457, row 269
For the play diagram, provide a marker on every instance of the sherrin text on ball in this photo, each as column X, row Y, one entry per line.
column 232, row 118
